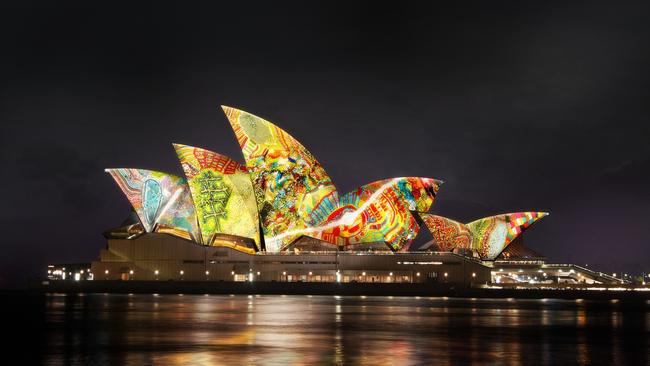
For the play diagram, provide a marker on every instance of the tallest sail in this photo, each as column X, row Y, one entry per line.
column 290, row 184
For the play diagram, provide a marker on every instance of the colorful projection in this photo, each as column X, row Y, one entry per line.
column 447, row 233
column 161, row 201
column 372, row 213
column 419, row 193
column 488, row 236
column 377, row 212
column 283, row 190
column 289, row 183
column 222, row 194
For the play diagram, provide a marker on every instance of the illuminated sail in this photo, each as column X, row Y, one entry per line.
column 487, row 236
column 160, row 200
column 222, row 194
column 378, row 212
column 289, row 183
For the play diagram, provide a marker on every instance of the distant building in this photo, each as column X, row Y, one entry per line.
column 520, row 265
column 70, row 272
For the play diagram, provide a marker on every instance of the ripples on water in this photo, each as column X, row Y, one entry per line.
column 305, row 330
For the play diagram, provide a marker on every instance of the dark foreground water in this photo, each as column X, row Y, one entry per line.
column 305, row 330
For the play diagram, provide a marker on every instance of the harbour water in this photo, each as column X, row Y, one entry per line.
column 122, row 329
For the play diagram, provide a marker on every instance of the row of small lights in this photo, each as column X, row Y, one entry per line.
column 284, row 273
column 156, row 272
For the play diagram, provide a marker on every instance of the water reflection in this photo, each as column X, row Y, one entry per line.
column 305, row 330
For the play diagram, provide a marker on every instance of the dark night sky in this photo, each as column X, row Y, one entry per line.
column 516, row 108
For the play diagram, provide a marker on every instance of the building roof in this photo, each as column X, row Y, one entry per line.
column 283, row 193
column 518, row 251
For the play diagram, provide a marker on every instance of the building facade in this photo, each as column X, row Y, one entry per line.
column 163, row 257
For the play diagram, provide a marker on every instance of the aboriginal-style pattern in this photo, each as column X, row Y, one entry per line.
column 520, row 221
column 295, row 195
column 289, row 183
column 418, row 193
column 161, row 201
column 488, row 236
column 376, row 212
column 447, row 233
column 373, row 213
column 222, row 194
column 285, row 193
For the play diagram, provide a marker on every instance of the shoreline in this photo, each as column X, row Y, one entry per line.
column 342, row 289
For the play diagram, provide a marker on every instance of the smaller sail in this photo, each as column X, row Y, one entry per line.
column 162, row 201
column 222, row 193
column 488, row 236
column 447, row 233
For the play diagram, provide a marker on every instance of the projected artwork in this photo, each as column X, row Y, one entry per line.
column 447, row 233
column 161, row 201
column 419, row 193
column 372, row 213
column 520, row 221
column 282, row 189
column 295, row 194
column 289, row 183
column 377, row 212
column 222, row 194
column 488, row 236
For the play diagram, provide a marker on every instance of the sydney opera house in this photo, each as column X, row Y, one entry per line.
column 278, row 217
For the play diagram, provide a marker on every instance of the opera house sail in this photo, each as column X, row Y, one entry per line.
column 221, row 192
column 488, row 237
column 161, row 201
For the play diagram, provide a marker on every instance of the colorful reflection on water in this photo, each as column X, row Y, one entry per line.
column 307, row 330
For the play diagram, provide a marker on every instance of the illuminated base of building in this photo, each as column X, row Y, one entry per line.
column 162, row 257
column 163, row 263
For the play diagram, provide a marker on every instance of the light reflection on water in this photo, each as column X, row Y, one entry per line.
column 306, row 330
